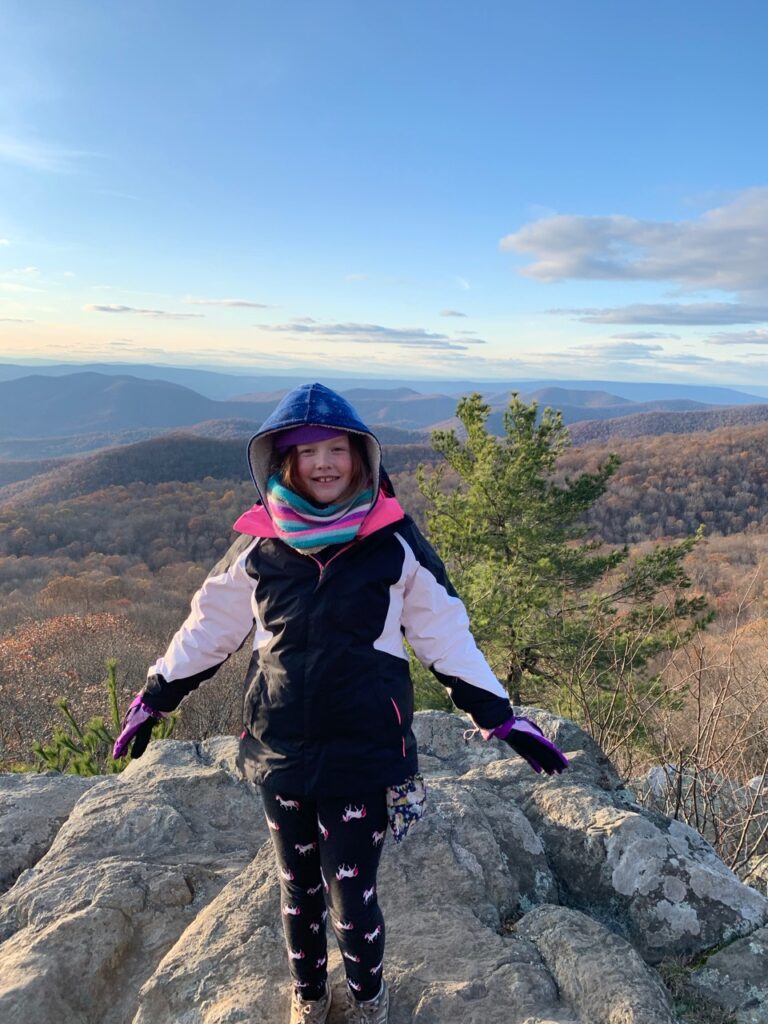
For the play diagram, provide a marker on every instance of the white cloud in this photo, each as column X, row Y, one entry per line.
column 233, row 303
column 14, row 320
column 602, row 360
column 356, row 277
column 160, row 314
column 135, row 348
column 451, row 312
column 629, row 353
column 35, row 155
column 671, row 313
column 463, row 283
column 15, row 287
column 646, row 336
column 624, row 350
column 371, row 334
column 726, row 248
column 758, row 337
column 5, row 241
column 113, row 194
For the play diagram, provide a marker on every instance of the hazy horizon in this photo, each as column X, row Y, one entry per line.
column 384, row 381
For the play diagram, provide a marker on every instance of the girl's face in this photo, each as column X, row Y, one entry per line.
column 324, row 469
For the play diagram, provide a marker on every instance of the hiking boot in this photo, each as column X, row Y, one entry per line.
column 374, row 1011
column 311, row 1011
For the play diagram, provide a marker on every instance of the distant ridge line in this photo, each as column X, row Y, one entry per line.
column 656, row 424
column 224, row 383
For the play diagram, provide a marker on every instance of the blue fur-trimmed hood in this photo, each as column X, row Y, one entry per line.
column 308, row 405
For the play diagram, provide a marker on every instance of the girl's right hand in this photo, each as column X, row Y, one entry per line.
column 137, row 727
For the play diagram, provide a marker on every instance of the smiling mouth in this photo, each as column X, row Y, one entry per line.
column 325, row 479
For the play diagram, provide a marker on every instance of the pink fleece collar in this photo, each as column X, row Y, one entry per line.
column 257, row 522
column 384, row 512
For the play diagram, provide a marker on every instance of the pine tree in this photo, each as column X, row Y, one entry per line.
column 87, row 750
column 561, row 618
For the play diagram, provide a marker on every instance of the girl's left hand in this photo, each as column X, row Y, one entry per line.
column 527, row 740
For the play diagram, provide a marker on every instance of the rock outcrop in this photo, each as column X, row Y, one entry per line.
column 32, row 810
column 736, row 978
column 518, row 899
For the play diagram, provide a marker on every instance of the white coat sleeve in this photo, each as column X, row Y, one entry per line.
column 221, row 617
column 436, row 625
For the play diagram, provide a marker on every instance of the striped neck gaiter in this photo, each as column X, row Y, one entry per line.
column 307, row 527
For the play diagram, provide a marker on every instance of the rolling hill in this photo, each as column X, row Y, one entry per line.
column 80, row 403
column 43, row 417
column 653, row 424
column 177, row 457
column 180, row 458
column 173, row 499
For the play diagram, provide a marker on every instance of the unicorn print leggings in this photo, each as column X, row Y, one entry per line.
column 328, row 852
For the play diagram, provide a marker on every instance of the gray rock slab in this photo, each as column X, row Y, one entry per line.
column 723, row 806
column 59, row 963
column 137, row 858
column 442, row 966
column 653, row 880
column 449, row 744
column 446, row 746
column 483, row 849
column 755, row 873
column 604, row 978
column 32, row 810
column 736, row 978
column 157, row 899
column 446, row 892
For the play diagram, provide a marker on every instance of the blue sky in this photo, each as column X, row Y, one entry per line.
column 499, row 190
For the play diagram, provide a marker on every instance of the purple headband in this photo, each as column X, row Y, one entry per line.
column 305, row 434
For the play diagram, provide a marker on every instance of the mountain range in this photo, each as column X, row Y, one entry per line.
column 46, row 406
column 223, row 386
column 46, row 415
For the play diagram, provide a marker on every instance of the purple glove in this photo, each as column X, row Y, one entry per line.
column 137, row 726
column 527, row 740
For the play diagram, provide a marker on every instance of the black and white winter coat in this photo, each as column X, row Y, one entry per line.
column 328, row 699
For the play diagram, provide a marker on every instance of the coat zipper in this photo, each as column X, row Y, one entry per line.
column 323, row 566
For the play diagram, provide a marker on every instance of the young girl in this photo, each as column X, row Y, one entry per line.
column 332, row 574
